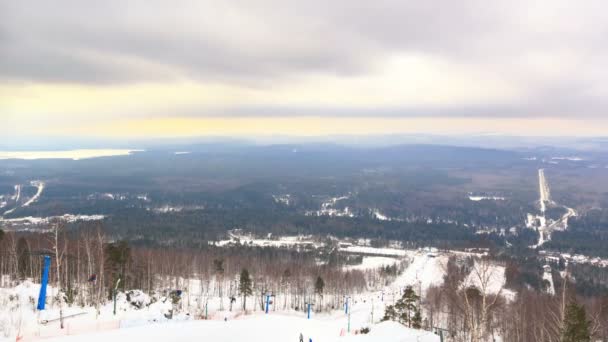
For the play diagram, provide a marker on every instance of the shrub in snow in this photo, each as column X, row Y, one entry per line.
column 138, row 299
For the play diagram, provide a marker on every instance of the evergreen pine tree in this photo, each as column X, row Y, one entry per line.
column 389, row 313
column 409, row 305
column 416, row 319
column 405, row 310
column 245, row 287
column 319, row 286
column 576, row 326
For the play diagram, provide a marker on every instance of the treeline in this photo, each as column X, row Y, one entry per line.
column 86, row 266
column 469, row 306
column 194, row 228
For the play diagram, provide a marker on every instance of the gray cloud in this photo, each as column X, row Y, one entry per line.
column 261, row 42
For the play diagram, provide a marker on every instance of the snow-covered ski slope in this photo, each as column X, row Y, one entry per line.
column 424, row 269
column 270, row 328
column 40, row 186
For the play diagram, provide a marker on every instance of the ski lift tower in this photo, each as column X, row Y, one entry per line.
column 268, row 296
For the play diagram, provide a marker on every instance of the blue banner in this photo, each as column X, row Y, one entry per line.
column 44, row 282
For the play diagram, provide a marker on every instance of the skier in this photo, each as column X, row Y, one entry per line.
column 301, row 337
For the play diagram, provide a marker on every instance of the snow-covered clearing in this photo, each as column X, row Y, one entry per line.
column 489, row 277
column 373, row 262
column 33, row 221
column 481, row 198
column 549, row 277
column 374, row 251
column 67, row 154
column 572, row 158
column 327, row 208
column 285, row 241
column 378, row 215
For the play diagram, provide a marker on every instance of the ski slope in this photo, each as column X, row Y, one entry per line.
column 40, row 186
column 424, row 271
column 270, row 328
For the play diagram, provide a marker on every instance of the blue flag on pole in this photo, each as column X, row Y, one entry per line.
column 44, row 282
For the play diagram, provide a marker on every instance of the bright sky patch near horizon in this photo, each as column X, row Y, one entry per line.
column 201, row 68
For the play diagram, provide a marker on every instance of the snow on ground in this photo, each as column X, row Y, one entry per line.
column 17, row 195
column 372, row 262
column 284, row 199
column 269, row 328
column 425, row 270
column 548, row 277
column 67, row 154
column 491, row 276
column 378, row 215
column 373, row 250
column 15, row 198
column 481, row 198
column 327, row 208
column 32, row 221
column 40, row 186
column 285, row 241
column 573, row 158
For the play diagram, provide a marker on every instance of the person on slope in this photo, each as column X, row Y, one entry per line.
column 301, row 337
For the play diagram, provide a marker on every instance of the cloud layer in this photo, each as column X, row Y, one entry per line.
column 306, row 58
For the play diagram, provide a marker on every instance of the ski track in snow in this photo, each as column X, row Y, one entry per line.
column 40, row 186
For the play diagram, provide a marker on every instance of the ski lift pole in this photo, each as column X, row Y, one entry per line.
column 114, row 293
column 372, row 310
column 268, row 301
column 206, row 310
column 43, row 283
column 309, row 306
column 346, row 302
column 349, row 322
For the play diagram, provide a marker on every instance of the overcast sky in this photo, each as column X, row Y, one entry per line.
column 315, row 67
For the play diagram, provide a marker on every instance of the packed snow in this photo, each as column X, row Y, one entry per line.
column 426, row 269
column 270, row 328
